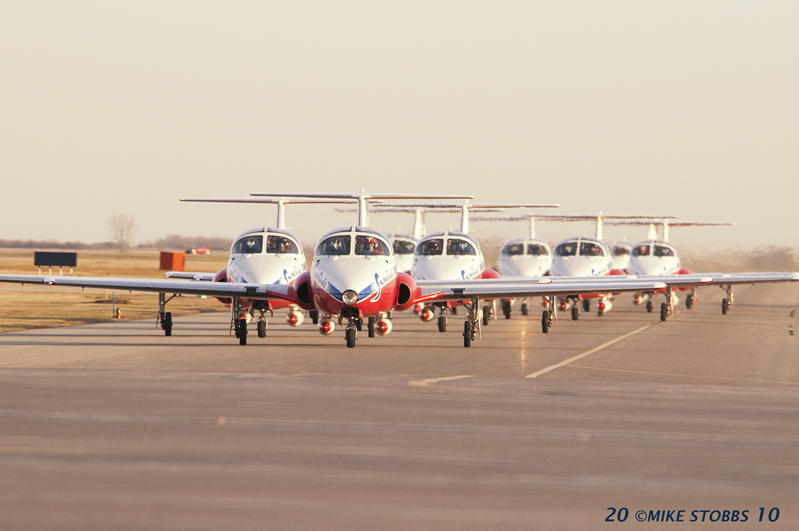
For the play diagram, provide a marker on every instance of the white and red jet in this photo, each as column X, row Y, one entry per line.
column 656, row 256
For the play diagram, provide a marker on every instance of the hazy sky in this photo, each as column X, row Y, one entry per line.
column 688, row 108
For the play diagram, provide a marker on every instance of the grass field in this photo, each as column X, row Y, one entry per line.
column 29, row 306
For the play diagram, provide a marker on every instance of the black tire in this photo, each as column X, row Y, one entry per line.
column 314, row 316
column 350, row 336
column 467, row 334
column 586, row 305
column 649, row 306
column 167, row 323
column 725, row 306
column 486, row 314
column 525, row 309
column 442, row 323
column 454, row 310
column 262, row 328
column 371, row 325
column 359, row 324
column 506, row 308
column 689, row 302
column 664, row 311
column 575, row 313
column 545, row 321
column 242, row 331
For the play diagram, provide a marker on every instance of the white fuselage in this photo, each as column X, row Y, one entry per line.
column 652, row 257
column 265, row 256
column 447, row 256
column 525, row 258
column 580, row 257
column 341, row 263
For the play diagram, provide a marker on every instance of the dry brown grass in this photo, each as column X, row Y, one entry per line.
column 23, row 307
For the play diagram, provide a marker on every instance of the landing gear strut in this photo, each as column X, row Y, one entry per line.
column 239, row 321
column 471, row 327
column 728, row 302
column 164, row 318
column 667, row 308
column 549, row 316
column 442, row 319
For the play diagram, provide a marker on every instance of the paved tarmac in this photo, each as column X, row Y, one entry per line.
column 115, row 426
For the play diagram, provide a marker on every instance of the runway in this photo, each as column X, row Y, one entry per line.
column 114, row 426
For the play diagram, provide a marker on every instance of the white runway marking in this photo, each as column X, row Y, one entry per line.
column 588, row 352
column 430, row 381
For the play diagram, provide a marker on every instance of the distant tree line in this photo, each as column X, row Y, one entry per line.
column 171, row 242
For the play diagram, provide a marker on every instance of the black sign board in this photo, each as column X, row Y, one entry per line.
column 49, row 258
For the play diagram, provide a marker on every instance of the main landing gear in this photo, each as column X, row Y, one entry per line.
column 471, row 326
column 728, row 302
column 164, row 318
column 549, row 317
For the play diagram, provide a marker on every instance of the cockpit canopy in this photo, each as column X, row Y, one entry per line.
column 275, row 244
column 658, row 250
column 404, row 246
column 621, row 250
column 582, row 247
column 518, row 249
column 455, row 246
column 341, row 244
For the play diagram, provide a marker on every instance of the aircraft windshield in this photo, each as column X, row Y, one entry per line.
column 620, row 251
column 591, row 249
column 641, row 250
column 514, row 249
column 430, row 247
column 536, row 249
column 662, row 250
column 404, row 247
column 280, row 245
column 249, row 245
column 335, row 245
column 566, row 249
column 369, row 245
column 457, row 246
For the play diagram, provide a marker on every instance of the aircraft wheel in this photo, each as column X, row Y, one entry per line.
column 359, row 324
column 525, row 309
column 664, row 311
column 575, row 313
column 454, row 310
column 506, row 308
column 649, row 306
column 442, row 323
column 371, row 325
column 545, row 321
column 350, row 336
column 689, row 301
column 167, row 323
column 262, row 328
column 586, row 305
column 242, row 331
column 467, row 334
column 314, row 316
column 486, row 314
column 725, row 306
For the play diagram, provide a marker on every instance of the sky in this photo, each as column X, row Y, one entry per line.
column 679, row 108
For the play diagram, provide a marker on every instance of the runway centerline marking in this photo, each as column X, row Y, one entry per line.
column 588, row 352
column 427, row 382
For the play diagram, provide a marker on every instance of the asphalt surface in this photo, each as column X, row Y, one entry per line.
column 115, row 426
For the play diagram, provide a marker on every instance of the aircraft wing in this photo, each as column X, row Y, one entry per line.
column 500, row 288
column 190, row 275
column 199, row 287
